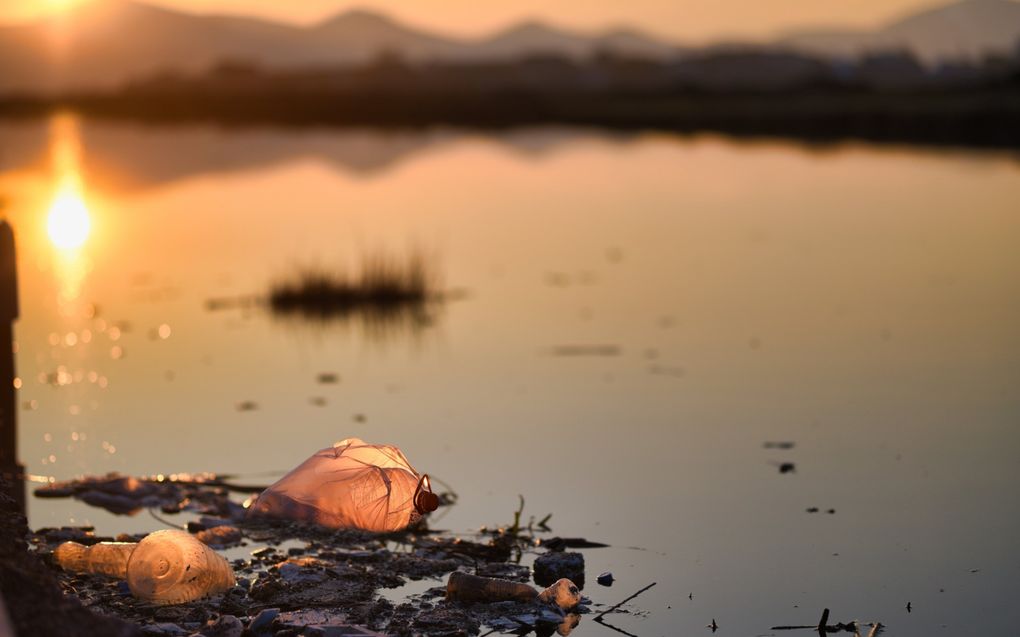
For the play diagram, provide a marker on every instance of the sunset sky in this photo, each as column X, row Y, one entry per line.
column 689, row 20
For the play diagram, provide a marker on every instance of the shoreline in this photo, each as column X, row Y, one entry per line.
column 981, row 119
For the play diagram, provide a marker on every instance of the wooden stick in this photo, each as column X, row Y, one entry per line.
column 824, row 621
column 612, row 608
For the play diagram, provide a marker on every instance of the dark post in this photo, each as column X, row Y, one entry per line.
column 9, row 467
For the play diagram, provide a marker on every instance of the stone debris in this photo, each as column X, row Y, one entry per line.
column 553, row 566
column 220, row 537
column 224, row 626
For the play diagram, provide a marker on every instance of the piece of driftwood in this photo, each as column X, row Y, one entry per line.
column 823, row 627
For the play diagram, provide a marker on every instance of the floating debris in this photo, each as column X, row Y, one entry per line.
column 586, row 350
column 327, row 378
column 472, row 588
column 614, row 607
column 779, row 445
column 560, row 543
column 351, row 484
column 787, row 467
column 667, row 370
column 246, row 405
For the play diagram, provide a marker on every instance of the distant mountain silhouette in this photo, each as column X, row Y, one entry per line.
column 106, row 42
column 126, row 159
column 966, row 29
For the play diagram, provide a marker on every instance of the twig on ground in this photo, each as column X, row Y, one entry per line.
column 612, row 608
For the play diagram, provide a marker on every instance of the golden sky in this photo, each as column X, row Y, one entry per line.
column 690, row 20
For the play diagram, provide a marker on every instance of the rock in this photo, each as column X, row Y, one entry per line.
column 209, row 522
column 501, row 570
column 322, row 623
column 263, row 621
column 550, row 615
column 292, row 574
column 445, row 620
column 165, row 628
column 553, row 566
column 225, row 626
column 219, row 536
column 605, row 579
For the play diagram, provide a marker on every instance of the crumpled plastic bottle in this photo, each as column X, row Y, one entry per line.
column 173, row 567
column 472, row 588
column 166, row 567
column 104, row 558
column 352, row 484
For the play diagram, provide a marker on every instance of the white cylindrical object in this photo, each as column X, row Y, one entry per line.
column 173, row 567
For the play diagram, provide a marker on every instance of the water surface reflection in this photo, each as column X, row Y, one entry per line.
column 858, row 302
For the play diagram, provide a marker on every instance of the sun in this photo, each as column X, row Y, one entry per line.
column 68, row 223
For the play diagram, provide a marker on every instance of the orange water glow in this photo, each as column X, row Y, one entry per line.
column 68, row 218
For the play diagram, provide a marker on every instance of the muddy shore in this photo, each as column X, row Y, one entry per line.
column 292, row 579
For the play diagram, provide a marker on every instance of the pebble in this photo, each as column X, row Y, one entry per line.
column 225, row 626
column 605, row 579
column 165, row 628
column 219, row 536
column 263, row 621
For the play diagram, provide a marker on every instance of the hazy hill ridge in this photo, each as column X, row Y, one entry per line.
column 966, row 29
column 106, row 42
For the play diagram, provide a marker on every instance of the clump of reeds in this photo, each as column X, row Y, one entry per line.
column 384, row 291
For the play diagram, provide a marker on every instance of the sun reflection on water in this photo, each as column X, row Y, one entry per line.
column 68, row 220
column 68, row 223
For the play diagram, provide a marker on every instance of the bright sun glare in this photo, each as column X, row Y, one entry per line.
column 68, row 224
column 54, row 6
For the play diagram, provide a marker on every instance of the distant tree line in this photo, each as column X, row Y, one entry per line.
column 884, row 97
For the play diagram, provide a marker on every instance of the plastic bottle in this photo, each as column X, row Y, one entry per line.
column 173, row 567
column 105, row 558
column 472, row 588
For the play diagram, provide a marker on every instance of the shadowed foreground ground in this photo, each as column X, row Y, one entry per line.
column 31, row 593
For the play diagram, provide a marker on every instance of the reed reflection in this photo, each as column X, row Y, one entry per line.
column 388, row 296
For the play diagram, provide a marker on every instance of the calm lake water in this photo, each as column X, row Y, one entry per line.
column 860, row 302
